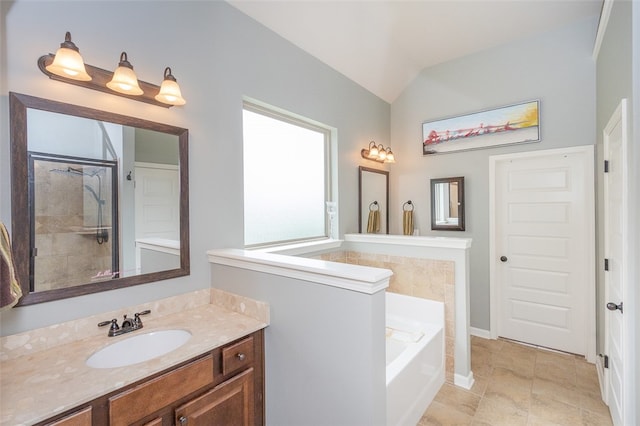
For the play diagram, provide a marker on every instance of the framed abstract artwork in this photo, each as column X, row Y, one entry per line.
column 512, row 124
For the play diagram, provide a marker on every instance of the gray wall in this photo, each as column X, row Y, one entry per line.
column 218, row 56
column 324, row 348
column 556, row 68
column 156, row 147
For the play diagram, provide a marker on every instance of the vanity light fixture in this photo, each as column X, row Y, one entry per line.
column 124, row 78
column 169, row 90
column 68, row 62
column 378, row 153
column 67, row 66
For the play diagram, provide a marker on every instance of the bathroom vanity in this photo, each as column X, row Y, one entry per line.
column 215, row 377
column 223, row 386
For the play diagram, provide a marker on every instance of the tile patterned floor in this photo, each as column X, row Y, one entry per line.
column 520, row 385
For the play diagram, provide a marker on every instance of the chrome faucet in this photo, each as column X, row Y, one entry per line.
column 128, row 324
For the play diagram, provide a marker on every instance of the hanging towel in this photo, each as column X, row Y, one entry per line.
column 10, row 291
column 373, row 224
column 407, row 222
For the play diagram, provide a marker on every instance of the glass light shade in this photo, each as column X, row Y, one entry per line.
column 390, row 157
column 170, row 93
column 373, row 152
column 125, row 81
column 169, row 90
column 68, row 63
column 382, row 154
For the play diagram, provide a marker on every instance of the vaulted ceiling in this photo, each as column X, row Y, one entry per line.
column 384, row 44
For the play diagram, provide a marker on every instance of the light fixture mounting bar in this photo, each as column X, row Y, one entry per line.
column 364, row 153
column 100, row 78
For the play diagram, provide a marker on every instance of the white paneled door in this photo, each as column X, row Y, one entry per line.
column 543, row 248
column 157, row 198
column 615, row 234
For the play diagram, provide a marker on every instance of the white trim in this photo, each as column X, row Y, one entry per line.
column 156, row 166
column 464, row 381
column 620, row 115
column 590, row 350
column 299, row 249
column 479, row 332
column 493, row 292
column 409, row 240
column 602, row 27
column 159, row 244
column 363, row 279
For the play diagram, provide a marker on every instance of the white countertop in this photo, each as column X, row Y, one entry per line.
column 40, row 385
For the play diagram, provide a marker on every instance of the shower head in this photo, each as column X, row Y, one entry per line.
column 68, row 171
column 95, row 196
column 78, row 172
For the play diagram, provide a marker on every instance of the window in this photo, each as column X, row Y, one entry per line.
column 286, row 178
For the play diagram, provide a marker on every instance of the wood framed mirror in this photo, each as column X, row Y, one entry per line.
column 373, row 196
column 447, row 204
column 99, row 200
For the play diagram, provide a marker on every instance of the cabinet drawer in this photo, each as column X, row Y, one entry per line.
column 79, row 418
column 237, row 356
column 142, row 400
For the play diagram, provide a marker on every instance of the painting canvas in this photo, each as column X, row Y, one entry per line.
column 501, row 126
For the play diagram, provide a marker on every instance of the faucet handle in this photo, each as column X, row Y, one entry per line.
column 113, row 322
column 114, row 326
column 136, row 318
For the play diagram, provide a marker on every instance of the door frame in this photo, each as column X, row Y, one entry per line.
column 494, row 291
column 620, row 115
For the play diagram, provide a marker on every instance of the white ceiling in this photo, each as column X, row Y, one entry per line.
column 384, row 44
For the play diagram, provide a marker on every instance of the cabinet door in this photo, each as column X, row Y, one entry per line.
column 230, row 404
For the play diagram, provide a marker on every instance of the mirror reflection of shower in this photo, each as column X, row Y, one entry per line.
column 102, row 233
column 74, row 220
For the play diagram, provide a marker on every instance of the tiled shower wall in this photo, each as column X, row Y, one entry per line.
column 77, row 256
column 426, row 278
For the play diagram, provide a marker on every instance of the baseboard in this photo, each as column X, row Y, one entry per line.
column 479, row 332
column 464, row 381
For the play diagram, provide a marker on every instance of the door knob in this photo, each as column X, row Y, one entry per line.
column 503, row 258
column 182, row 420
column 612, row 306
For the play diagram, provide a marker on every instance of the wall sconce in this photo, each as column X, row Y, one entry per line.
column 124, row 79
column 170, row 91
column 68, row 62
column 378, row 153
column 68, row 66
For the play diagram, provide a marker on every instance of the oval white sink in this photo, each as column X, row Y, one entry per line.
column 135, row 349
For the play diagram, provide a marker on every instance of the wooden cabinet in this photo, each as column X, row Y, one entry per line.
column 222, row 387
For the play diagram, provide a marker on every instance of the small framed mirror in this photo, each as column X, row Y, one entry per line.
column 447, row 204
column 373, row 201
